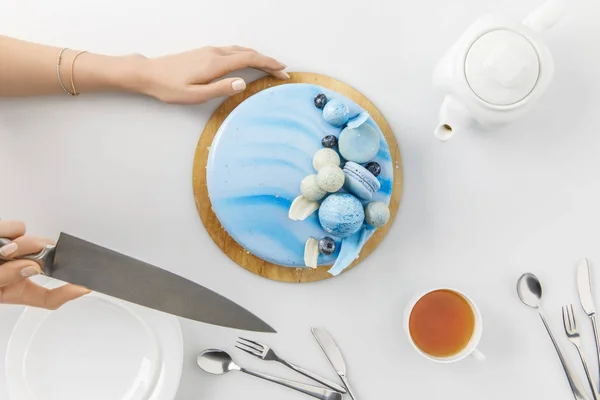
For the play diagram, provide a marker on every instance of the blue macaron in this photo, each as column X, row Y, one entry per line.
column 359, row 181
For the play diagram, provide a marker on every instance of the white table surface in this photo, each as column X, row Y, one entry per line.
column 476, row 212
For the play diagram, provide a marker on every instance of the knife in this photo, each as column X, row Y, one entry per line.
column 83, row 263
column 334, row 355
column 587, row 301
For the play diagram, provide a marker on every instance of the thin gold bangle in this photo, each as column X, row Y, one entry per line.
column 58, row 61
column 72, row 68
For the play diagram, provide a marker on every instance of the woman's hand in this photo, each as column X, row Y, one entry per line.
column 190, row 77
column 185, row 78
column 15, row 287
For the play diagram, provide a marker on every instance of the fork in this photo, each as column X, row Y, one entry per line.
column 266, row 353
column 573, row 335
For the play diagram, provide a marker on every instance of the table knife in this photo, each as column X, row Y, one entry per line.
column 77, row 261
column 587, row 301
column 334, row 355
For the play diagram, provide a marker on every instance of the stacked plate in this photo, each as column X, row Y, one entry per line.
column 96, row 347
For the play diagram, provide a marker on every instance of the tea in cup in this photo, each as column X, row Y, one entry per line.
column 444, row 325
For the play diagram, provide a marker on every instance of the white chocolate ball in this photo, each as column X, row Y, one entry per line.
column 325, row 157
column 310, row 188
column 377, row 214
column 331, row 178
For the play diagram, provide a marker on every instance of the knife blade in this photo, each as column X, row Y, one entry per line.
column 80, row 262
column 334, row 355
column 584, row 287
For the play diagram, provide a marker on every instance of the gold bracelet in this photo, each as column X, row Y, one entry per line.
column 58, row 61
column 72, row 68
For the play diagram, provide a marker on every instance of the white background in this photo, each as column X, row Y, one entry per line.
column 476, row 212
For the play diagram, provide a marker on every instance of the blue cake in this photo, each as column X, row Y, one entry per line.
column 300, row 176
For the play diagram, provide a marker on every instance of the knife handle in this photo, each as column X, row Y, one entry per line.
column 597, row 339
column 314, row 391
column 347, row 384
column 313, row 376
column 44, row 258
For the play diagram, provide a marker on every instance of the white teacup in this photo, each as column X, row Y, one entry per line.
column 469, row 350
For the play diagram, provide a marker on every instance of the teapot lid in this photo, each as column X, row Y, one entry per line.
column 502, row 67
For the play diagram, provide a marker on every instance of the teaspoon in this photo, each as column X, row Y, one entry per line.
column 219, row 362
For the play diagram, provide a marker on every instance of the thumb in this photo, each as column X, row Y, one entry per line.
column 224, row 87
column 15, row 271
column 56, row 298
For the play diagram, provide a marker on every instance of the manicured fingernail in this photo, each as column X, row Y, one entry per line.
column 8, row 249
column 284, row 66
column 82, row 290
column 285, row 74
column 238, row 85
column 30, row 271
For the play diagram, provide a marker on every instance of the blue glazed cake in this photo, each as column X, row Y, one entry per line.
column 264, row 150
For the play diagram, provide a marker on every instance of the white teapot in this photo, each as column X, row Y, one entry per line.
column 496, row 71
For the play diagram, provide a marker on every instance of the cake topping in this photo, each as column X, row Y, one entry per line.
column 359, row 181
column 310, row 188
column 326, row 246
column 359, row 144
column 331, row 178
column 325, row 157
column 301, row 208
column 373, row 168
column 311, row 252
column 341, row 214
column 377, row 214
column 320, row 100
column 336, row 113
column 350, row 249
column 329, row 141
column 357, row 121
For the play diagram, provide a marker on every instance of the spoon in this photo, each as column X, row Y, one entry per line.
column 219, row 362
column 529, row 290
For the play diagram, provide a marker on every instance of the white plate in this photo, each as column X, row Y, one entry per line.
column 95, row 348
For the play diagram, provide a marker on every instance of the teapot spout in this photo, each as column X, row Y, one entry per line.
column 443, row 132
column 453, row 117
column 546, row 16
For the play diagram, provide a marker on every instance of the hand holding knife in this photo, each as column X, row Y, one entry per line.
column 77, row 261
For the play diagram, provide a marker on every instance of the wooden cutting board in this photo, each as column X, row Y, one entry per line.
column 225, row 242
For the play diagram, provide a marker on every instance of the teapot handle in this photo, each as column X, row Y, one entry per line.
column 547, row 15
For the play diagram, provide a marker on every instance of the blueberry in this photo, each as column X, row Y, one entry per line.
column 326, row 246
column 373, row 168
column 329, row 141
column 320, row 100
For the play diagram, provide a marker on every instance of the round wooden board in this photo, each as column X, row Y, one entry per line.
column 225, row 242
